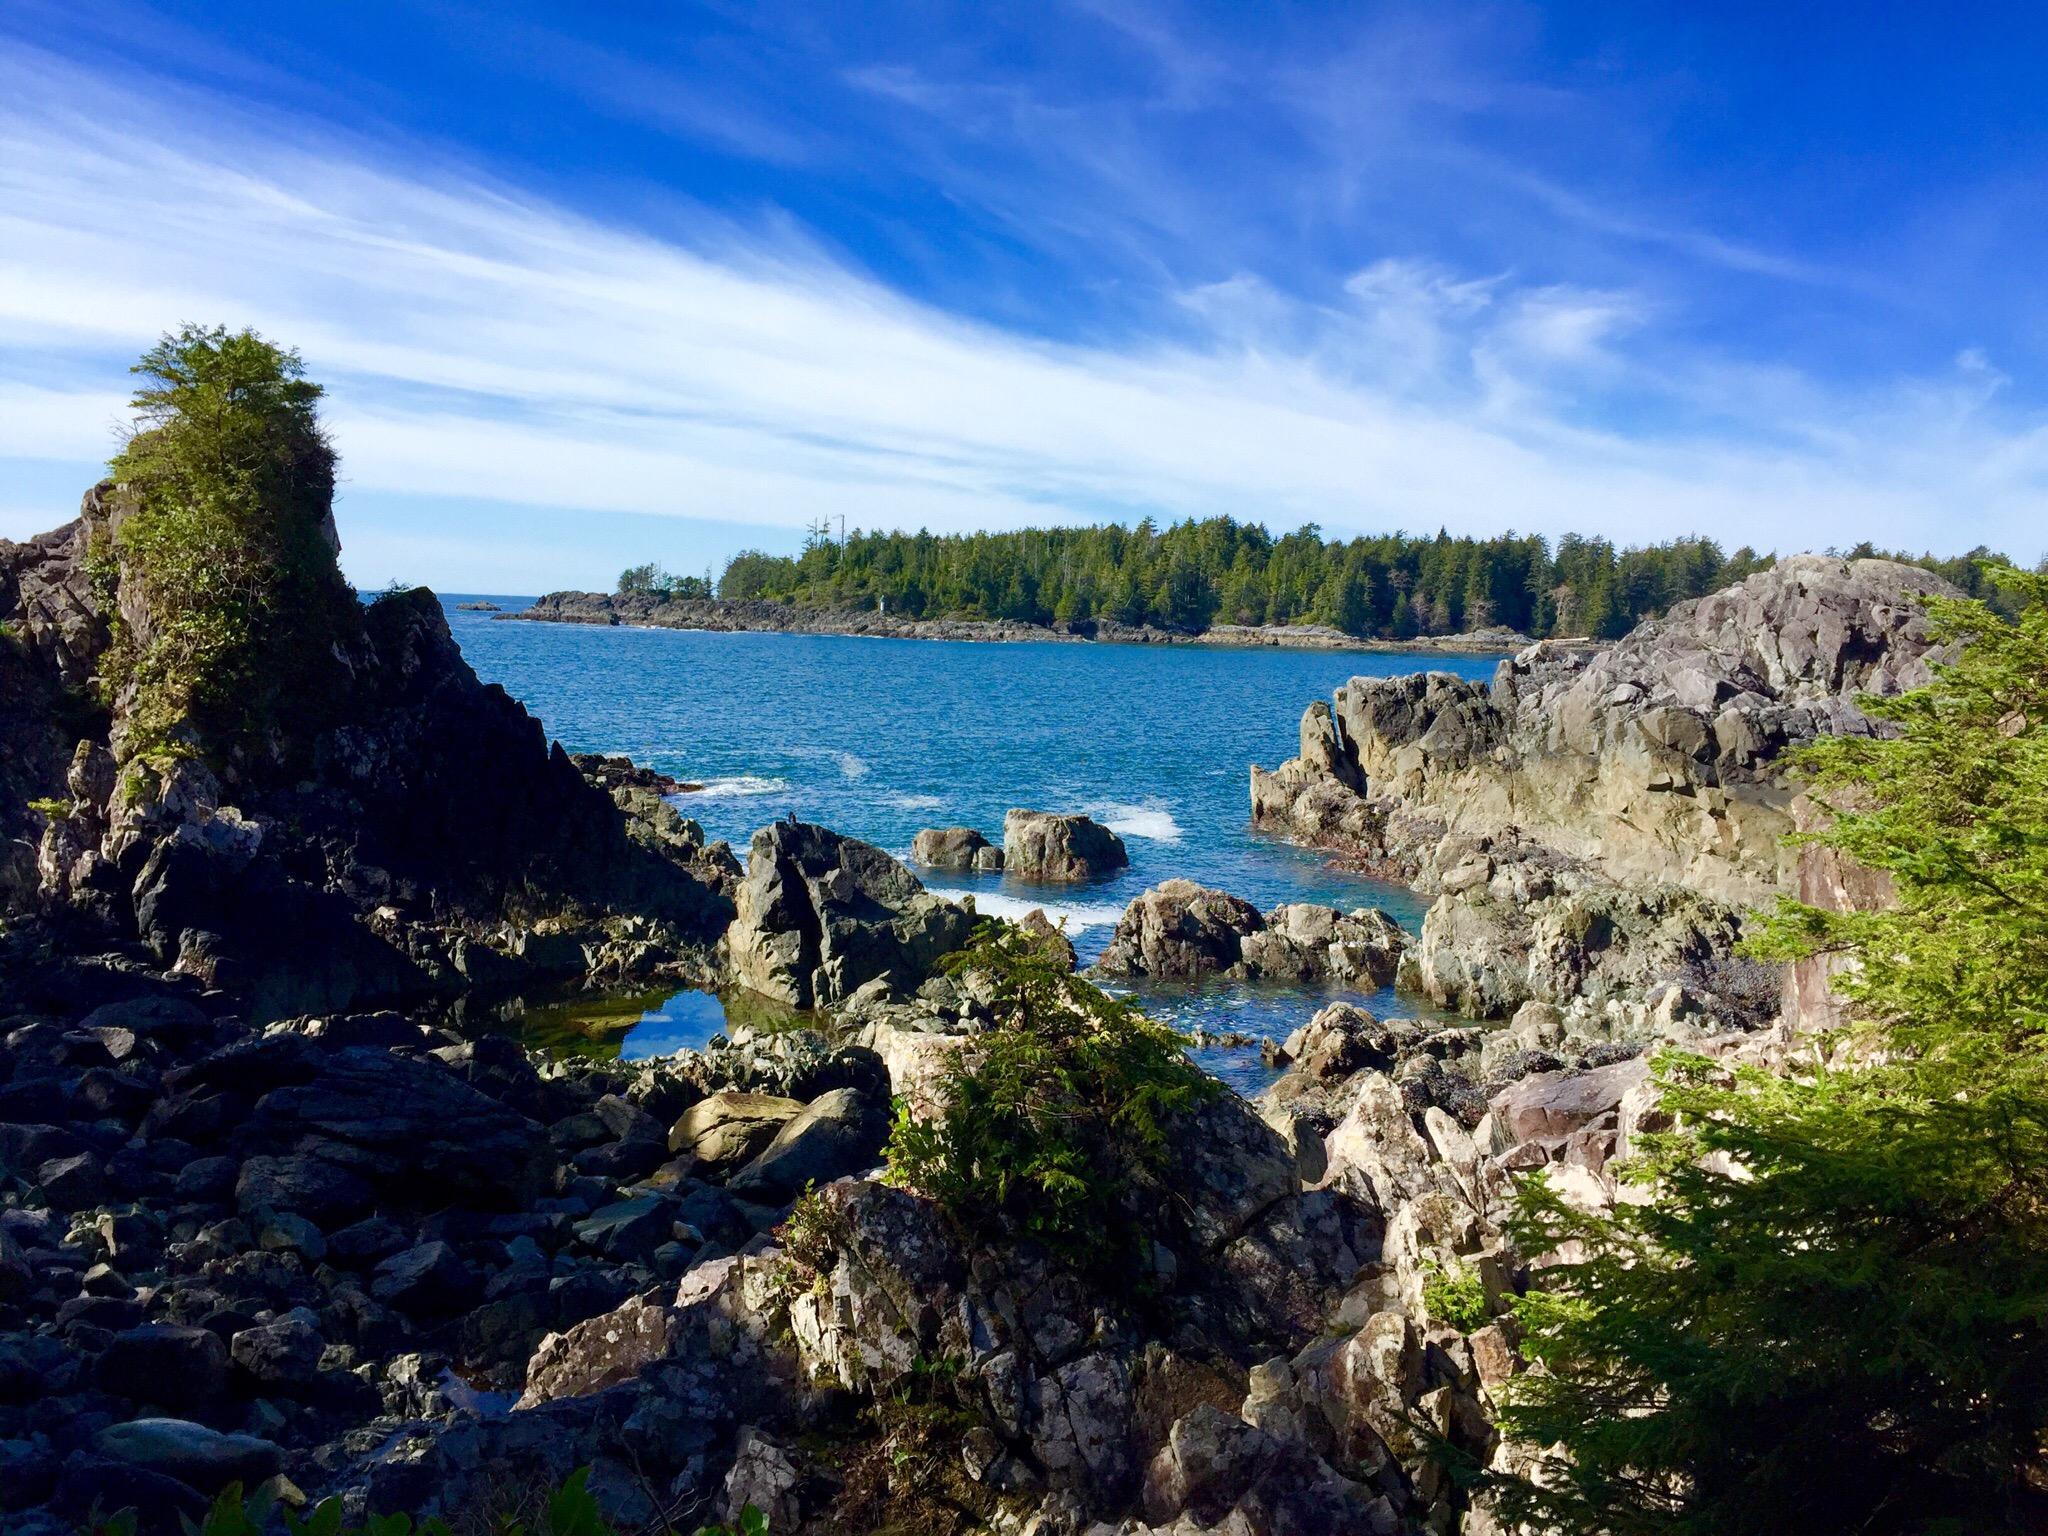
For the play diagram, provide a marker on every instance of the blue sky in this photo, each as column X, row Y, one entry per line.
column 597, row 284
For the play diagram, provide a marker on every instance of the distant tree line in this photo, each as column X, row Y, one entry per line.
column 1193, row 575
column 651, row 580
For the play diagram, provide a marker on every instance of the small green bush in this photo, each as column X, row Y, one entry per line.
column 1457, row 1296
column 1057, row 1114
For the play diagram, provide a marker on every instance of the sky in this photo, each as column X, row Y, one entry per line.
column 590, row 285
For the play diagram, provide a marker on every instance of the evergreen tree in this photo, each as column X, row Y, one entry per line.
column 232, row 539
column 1832, row 1317
column 1193, row 574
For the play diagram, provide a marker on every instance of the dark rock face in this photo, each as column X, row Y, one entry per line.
column 1039, row 845
column 1183, row 930
column 385, row 1118
column 1655, row 759
column 820, row 915
column 372, row 861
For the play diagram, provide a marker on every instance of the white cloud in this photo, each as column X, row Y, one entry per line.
column 482, row 345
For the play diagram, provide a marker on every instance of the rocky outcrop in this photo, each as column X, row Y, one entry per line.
column 1655, row 760
column 399, row 842
column 1040, row 845
column 1181, row 930
column 955, row 848
column 820, row 915
column 1486, row 954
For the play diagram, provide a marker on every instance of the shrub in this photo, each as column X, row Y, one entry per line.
column 1457, row 1296
column 1058, row 1112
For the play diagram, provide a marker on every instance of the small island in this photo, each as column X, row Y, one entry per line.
column 481, row 605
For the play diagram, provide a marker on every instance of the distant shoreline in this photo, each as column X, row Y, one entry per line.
column 717, row 615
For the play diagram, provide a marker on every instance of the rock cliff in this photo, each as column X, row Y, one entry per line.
column 1657, row 759
column 417, row 835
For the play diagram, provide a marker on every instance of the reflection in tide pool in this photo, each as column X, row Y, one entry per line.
column 630, row 1028
column 643, row 1025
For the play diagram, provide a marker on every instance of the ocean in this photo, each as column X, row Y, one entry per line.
column 878, row 738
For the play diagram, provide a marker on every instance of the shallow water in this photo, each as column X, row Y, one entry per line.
column 878, row 738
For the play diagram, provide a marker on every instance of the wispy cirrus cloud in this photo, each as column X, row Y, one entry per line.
column 486, row 346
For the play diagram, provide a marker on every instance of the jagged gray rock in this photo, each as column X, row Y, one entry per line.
column 820, row 915
column 1653, row 760
column 955, row 848
column 1040, row 845
column 1179, row 929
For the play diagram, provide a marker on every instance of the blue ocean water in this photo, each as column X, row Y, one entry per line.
column 878, row 738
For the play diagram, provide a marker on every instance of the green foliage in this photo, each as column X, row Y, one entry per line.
column 1457, row 1296
column 751, row 1523
column 1058, row 1111
column 232, row 480
column 653, row 581
column 1223, row 571
column 1195, row 574
column 1833, row 1317
column 51, row 809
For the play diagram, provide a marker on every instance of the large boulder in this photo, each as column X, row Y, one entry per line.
column 1180, row 929
column 837, row 1134
column 955, row 848
column 1041, row 845
column 164, row 1363
column 1484, row 955
column 730, row 1126
column 600, row 1351
column 821, row 915
column 201, row 1458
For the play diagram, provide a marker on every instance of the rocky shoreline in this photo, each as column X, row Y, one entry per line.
column 644, row 610
column 265, row 1216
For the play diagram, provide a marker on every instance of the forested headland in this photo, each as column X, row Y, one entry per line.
column 1193, row 575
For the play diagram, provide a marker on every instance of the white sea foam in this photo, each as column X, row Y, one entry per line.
column 915, row 802
column 1079, row 916
column 1154, row 823
column 739, row 786
column 849, row 765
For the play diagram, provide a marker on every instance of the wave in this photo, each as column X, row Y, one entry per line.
column 1079, row 916
column 739, row 786
column 915, row 802
column 1154, row 823
column 849, row 765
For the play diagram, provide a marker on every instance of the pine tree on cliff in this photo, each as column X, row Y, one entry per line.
column 1833, row 1316
column 226, row 531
